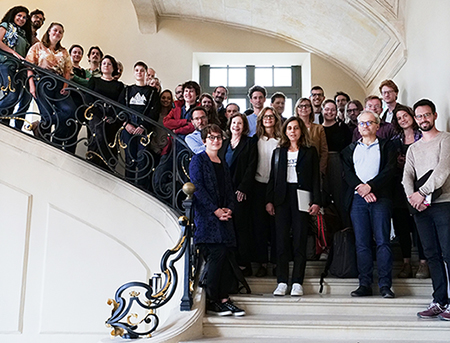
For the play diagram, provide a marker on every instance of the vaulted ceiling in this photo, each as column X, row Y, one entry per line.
column 363, row 37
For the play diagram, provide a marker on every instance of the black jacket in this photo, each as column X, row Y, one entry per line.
column 382, row 184
column 308, row 175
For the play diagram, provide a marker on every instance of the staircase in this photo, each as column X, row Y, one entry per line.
column 333, row 316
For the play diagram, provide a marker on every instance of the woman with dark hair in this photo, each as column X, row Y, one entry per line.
column 338, row 137
column 295, row 166
column 268, row 133
column 104, row 123
column 407, row 132
column 159, row 137
column 55, row 104
column 15, row 38
column 304, row 110
column 207, row 101
column 213, row 211
column 239, row 153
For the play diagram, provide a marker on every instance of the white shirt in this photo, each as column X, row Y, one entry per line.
column 291, row 167
column 266, row 147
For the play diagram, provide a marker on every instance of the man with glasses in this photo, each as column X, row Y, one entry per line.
column 369, row 168
column 194, row 140
column 427, row 185
column 37, row 20
column 375, row 104
column 317, row 97
column 389, row 92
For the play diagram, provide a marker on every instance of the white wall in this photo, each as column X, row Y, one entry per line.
column 112, row 25
column 70, row 235
column 426, row 74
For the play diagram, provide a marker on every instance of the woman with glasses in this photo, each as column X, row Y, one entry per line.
column 268, row 132
column 239, row 153
column 213, row 213
column 295, row 166
column 407, row 132
column 304, row 110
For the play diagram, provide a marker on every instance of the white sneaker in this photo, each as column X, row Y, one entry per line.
column 281, row 289
column 296, row 290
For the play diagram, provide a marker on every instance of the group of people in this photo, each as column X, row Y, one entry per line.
column 337, row 152
column 260, row 178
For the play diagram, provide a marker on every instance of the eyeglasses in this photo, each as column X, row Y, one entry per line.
column 214, row 138
column 387, row 92
column 269, row 116
column 366, row 123
column 303, row 106
column 422, row 116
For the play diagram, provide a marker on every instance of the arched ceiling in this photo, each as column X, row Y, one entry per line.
column 363, row 37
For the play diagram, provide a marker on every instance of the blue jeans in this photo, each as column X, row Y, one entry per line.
column 372, row 220
column 433, row 226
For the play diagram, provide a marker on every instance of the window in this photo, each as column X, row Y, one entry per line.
column 239, row 78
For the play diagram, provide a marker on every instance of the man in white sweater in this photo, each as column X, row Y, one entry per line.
column 431, row 154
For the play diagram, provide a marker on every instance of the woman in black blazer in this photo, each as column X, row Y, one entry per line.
column 239, row 152
column 295, row 165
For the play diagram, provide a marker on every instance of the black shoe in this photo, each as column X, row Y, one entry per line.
column 262, row 271
column 236, row 311
column 218, row 309
column 247, row 271
column 386, row 292
column 362, row 291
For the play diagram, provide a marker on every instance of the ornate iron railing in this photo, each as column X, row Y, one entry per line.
column 85, row 120
column 134, row 305
column 80, row 118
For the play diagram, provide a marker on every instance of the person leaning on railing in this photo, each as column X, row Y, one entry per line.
column 15, row 38
column 55, row 105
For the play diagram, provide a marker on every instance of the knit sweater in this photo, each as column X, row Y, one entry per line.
column 423, row 156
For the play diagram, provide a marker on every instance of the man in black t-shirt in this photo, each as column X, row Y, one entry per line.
column 137, row 130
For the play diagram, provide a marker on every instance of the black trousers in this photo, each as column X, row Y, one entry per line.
column 264, row 234
column 220, row 278
column 287, row 218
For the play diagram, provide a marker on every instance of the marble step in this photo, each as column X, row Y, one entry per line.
column 313, row 327
column 328, row 305
column 337, row 286
column 299, row 340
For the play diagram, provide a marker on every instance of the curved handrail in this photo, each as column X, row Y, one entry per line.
column 63, row 126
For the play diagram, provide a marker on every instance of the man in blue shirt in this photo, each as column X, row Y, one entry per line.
column 194, row 140
column 369, row 168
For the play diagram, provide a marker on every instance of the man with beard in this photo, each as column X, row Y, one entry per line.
column 95, row 56
column 341, row 100
column 257, row 96
column 427, row 185
column 37, row 20
column 317, row 97
column 194, row 140
column 219, row 95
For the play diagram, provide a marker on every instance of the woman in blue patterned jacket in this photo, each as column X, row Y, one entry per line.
column 214, row 234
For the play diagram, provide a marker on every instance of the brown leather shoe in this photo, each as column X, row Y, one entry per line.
column 406, row 271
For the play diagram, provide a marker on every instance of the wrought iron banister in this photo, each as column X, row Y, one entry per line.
column 134, row 312
column 68, row 127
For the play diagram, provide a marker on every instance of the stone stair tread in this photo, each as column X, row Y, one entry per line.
column 299, row 340
column 331, row 299
column 343, row 322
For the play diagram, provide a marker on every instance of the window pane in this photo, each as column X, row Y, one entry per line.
column 217, row 77
column 241, row 102
column 263, row 77
column 288, row 108
column 282, row 77
column 238, row 77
